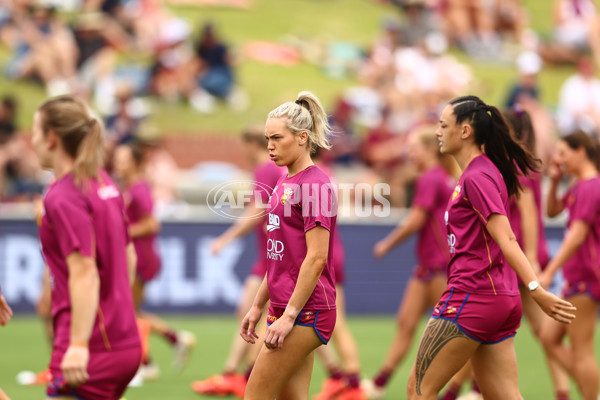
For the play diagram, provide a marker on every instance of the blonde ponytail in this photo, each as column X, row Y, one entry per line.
column 306, row 114
column 89, row 154
column 80, row 134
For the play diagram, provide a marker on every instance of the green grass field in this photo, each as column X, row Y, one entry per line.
column 22, row 347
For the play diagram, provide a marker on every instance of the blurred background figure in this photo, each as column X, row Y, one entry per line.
column 171, row 73
column 214, row 74
column 470, row 24
column 143, row 230
column 21, row 178
column 579, row 102
column 529, row 64
column 574, row 29
column 43, row 48
column 524, row 95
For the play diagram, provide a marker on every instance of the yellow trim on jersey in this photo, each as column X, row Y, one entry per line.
column 490, row 259
column 325, row 293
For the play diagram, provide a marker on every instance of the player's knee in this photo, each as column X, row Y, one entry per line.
column 547, row 341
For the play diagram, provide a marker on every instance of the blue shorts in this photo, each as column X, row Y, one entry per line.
column 484, row 318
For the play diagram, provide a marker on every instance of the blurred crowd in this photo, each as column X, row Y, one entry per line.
column 94, row 47
column 410, row 72
column 116, row 53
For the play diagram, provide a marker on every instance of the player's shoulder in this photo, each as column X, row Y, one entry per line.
column 591, row 187
column 481, row 168
column 316, row 175
column 63, row 190
column 140, row 187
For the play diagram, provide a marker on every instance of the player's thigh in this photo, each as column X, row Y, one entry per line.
column 297, row 386
column 443, row 351
column 495, row 367
column 581, row 329
column 273, row 368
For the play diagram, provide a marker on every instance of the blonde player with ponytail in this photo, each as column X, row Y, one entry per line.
column 96, row 349
column 300, row 280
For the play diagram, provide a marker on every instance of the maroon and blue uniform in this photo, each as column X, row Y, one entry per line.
column 139, row 205
column 582, row 270
column 432, row 192
column 88, row 218
column 482, row 295
column 298, row 204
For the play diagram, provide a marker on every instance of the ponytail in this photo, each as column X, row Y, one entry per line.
column 306, row 114
column 80, row 134
column 522, row 126
column 492, row 133
column 89, row 154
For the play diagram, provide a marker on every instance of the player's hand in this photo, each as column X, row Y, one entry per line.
column 217, row 246
column 554, row 171
column 74, row 365
column 5, row 312
column 277, row 332
column 557, row 308
column 380, row 249
column 248, row 328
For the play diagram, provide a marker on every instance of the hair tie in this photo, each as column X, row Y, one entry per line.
column 299, row 102
column 518, row 110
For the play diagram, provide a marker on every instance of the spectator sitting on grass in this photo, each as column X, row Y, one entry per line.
column 43, row 48
column 215, row 77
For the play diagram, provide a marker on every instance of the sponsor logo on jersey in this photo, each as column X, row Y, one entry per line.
column 274, row 222
column 275, row 249
column 456, row 192
column 108, row 192
column 287, row 194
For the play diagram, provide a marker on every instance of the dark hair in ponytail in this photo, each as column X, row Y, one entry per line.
column 493, row 134
column 522, row 127
column 581, row 139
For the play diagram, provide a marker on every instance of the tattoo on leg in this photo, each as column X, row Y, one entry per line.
column 437, row 334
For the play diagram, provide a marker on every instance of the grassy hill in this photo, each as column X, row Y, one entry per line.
column 316, row 22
